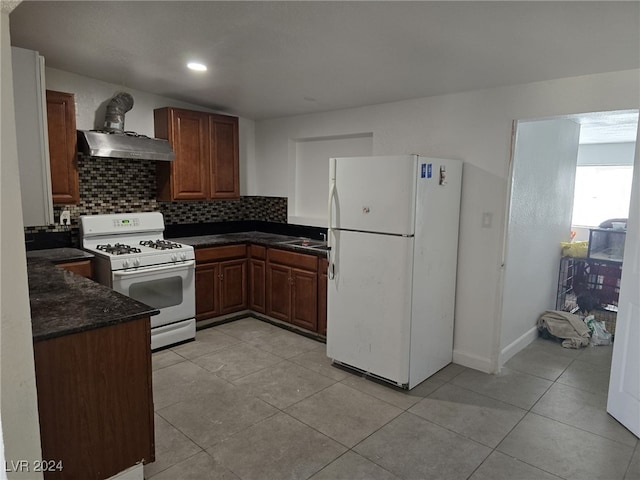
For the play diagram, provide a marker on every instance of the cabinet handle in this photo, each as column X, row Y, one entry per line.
column 220, row 277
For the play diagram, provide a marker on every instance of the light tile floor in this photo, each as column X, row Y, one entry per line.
column 248, row 400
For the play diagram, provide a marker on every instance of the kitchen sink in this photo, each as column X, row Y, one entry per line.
column 306, row 243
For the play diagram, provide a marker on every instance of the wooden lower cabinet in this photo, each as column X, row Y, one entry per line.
column 257, row 278
column 304, row 299
column 206, row 292
column 279, row 292
column 292, row 288
column 285, row 285
column 221, row 280
column 95, row 400
column 233, row 290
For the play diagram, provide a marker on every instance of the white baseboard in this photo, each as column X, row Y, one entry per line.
column 514, row 347
column 473, row 361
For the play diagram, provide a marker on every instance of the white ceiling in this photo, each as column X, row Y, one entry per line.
column 271, row 59
column 608, row 127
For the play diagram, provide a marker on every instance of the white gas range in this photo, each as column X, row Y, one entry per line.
column 133, row 258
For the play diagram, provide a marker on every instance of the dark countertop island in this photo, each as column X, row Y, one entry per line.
column 60, row 255
column 63, row 303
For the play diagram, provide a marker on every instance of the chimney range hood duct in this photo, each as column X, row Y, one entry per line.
column 113, row 142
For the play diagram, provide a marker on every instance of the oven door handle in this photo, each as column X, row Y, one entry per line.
column 138, row 271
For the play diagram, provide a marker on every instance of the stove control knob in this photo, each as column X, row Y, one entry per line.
column 174, row 258
column 136, row 262
column 183, row 256
column 125, row 263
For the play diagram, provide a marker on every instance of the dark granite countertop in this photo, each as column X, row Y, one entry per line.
column 60, row 255
column 257, row 238
column 63, row 303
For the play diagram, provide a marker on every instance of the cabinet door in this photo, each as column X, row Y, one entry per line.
column 187, row 177
column 223, row 157
column 304, row 295
column 322, row 297
column 279, row 292
column 207, row 288
column 233, row 292
column 96, row 418
column 257, row 300
column 61, row 121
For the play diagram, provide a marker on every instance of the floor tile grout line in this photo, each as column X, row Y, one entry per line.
column 527, row 412
column 578, row 388
column 499, row 399
column 173, row 465
column 530, row 411
column 350, row 450
column 581, row 429
column 636, row 451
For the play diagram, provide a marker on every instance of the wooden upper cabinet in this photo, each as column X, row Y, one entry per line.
column 61, row 120
column 223, row 156
column 207, row 161
column 186, row 177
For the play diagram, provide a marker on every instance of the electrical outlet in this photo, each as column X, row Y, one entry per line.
column 65, row 218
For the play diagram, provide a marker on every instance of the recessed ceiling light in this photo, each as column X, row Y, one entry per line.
column 199, row 67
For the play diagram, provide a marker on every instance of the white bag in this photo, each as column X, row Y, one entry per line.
column 599, row 334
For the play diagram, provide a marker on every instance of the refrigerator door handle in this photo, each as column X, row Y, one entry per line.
column 332, row 192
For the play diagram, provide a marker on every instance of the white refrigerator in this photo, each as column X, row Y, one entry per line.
column 393, row 237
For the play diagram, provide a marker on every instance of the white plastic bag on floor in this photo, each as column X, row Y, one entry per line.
column 599, row 334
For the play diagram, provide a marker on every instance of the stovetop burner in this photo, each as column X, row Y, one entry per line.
column 160, row 244
column 118, row 249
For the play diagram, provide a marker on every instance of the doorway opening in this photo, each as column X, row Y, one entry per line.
column 542, row 212
column 549, row 158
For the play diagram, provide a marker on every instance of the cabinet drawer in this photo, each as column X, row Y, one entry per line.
column 292, row 259
column 83, row 267
column 257, row 251
column 220, row 253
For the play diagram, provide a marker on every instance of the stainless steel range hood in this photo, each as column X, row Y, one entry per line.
column 113, row 142
column 122, row 145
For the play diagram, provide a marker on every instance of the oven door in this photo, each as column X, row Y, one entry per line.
column 169, row 288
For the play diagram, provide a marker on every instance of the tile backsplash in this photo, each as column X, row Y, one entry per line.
column 119, row 186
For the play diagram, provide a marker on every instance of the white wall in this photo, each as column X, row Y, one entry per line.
column 92, row 97
column 20, row 426
column 544, row 170
column 471, row 126
column 307, row 176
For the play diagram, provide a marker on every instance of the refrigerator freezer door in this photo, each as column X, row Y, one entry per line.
column 369, row 304
column 374, row 194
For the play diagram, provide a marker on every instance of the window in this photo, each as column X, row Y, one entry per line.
column 601, row 192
